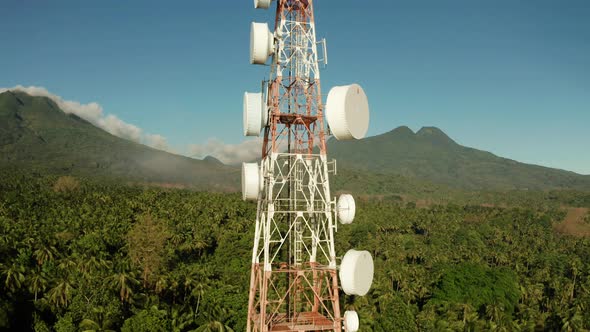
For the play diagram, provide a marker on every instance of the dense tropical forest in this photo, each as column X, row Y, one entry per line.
column 82, row 255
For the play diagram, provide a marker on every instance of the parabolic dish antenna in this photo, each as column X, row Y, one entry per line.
column 255, row 114
column 356, row 272
column 261, row 43
column 263, row 4
column 251, row 181
column 346, row 209
column 351, row 321
column 347, row 111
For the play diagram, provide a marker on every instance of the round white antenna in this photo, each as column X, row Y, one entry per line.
column 261, row 43
column 251, row 181
column 351, row 321
column 356, row 272
column 255, row 114
column 262, row 4
column 346, row 209
column 347, row 111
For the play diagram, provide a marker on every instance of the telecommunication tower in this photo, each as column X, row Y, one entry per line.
column 296, row 274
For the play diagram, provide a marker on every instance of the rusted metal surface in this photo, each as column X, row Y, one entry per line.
column 294, row 281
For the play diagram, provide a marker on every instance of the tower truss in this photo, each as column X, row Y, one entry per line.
column 294, row 278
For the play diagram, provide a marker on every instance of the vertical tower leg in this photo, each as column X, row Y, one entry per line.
column 294, row 283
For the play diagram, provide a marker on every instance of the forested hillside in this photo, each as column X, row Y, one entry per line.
column 36, row 135
column 81, row 255
column 430, row 155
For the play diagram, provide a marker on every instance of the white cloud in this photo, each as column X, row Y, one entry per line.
column 247, row 150
column 157, row 142
column 93, row 113
column 118, row 127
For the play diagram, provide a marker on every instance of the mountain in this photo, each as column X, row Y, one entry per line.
column 36, row 135
column 212, row 160
column 431, row 155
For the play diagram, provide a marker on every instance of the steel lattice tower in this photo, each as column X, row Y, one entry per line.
column 294, row 280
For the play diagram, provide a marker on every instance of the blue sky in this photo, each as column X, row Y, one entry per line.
column 511, row 77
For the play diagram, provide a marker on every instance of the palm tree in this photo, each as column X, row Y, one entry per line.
column 93, row 264
column 67, row 264
column 495, row 312
column 426, row 319
column 573, row 320
column 61, row 294
column 44, row 254
column 195, row 285
column 214, row 317
column 101, row 324
column 181, row 320
column 198, row 292
column 576, row 266
column 123, row 282
column 161, row 284
column 14, row 277
column 38, row 282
